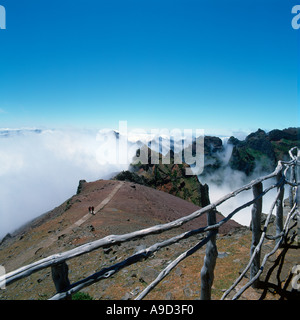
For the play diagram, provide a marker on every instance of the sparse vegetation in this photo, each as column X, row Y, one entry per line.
column 81, row 296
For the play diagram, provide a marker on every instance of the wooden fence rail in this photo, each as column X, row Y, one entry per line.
column 59, row 267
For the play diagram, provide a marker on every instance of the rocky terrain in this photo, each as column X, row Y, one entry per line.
column 144, row 196
column 257, row 154
column 131, row 207
column 258, row 149
column 170, row 178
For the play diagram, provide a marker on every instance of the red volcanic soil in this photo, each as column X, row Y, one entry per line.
column 152, row 204
column 120, row 207
column 123, row 207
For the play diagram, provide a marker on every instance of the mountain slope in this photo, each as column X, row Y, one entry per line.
column 126, row 207
column 263, row 148
column 123, row 207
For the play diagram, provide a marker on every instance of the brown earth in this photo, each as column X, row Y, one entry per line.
column 125, row 207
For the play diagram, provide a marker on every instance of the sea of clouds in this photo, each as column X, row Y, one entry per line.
column 225, row 180
column 40, row 169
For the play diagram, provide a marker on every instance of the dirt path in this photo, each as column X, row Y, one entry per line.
column 49, row 241
column 102, row 204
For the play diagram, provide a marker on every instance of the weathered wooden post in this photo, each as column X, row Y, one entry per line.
column 256, row 230
column 60, row 276
column 298, row 216
column 291, row 188
column 297, row 200
column 207, row 271
column 279, row 207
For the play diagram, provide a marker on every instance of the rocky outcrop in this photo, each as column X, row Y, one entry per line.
column 292, row 134
column 259, row 150
column 80, row 186
column 264, row 149
column 6, row 238
column 170, row 178
column 242, row 160
column 212, row 147
column 255, row 148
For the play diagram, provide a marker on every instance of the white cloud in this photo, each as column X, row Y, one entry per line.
column 225, row 180
column 39, row 171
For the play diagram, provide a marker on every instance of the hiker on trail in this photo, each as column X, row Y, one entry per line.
column 90, row 209
column 93, row 212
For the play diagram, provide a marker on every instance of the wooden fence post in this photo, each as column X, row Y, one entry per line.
column 297, row 197
column 60, row 276
column 298, row 230
column 207, row 271
column 298, row 216
column 279, row 208
column 256, row 230
column 291, row 188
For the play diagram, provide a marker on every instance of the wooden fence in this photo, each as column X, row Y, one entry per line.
column 286, row 173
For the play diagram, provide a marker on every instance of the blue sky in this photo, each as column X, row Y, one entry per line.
column 215, row 65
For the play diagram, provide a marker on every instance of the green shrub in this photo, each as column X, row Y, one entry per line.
column 81, row 296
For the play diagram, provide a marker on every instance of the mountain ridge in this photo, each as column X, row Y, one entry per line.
column 132, row 207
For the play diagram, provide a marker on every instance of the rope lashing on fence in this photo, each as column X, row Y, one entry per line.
column 58, row 261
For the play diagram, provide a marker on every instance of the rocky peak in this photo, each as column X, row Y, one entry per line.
column 170, row 178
